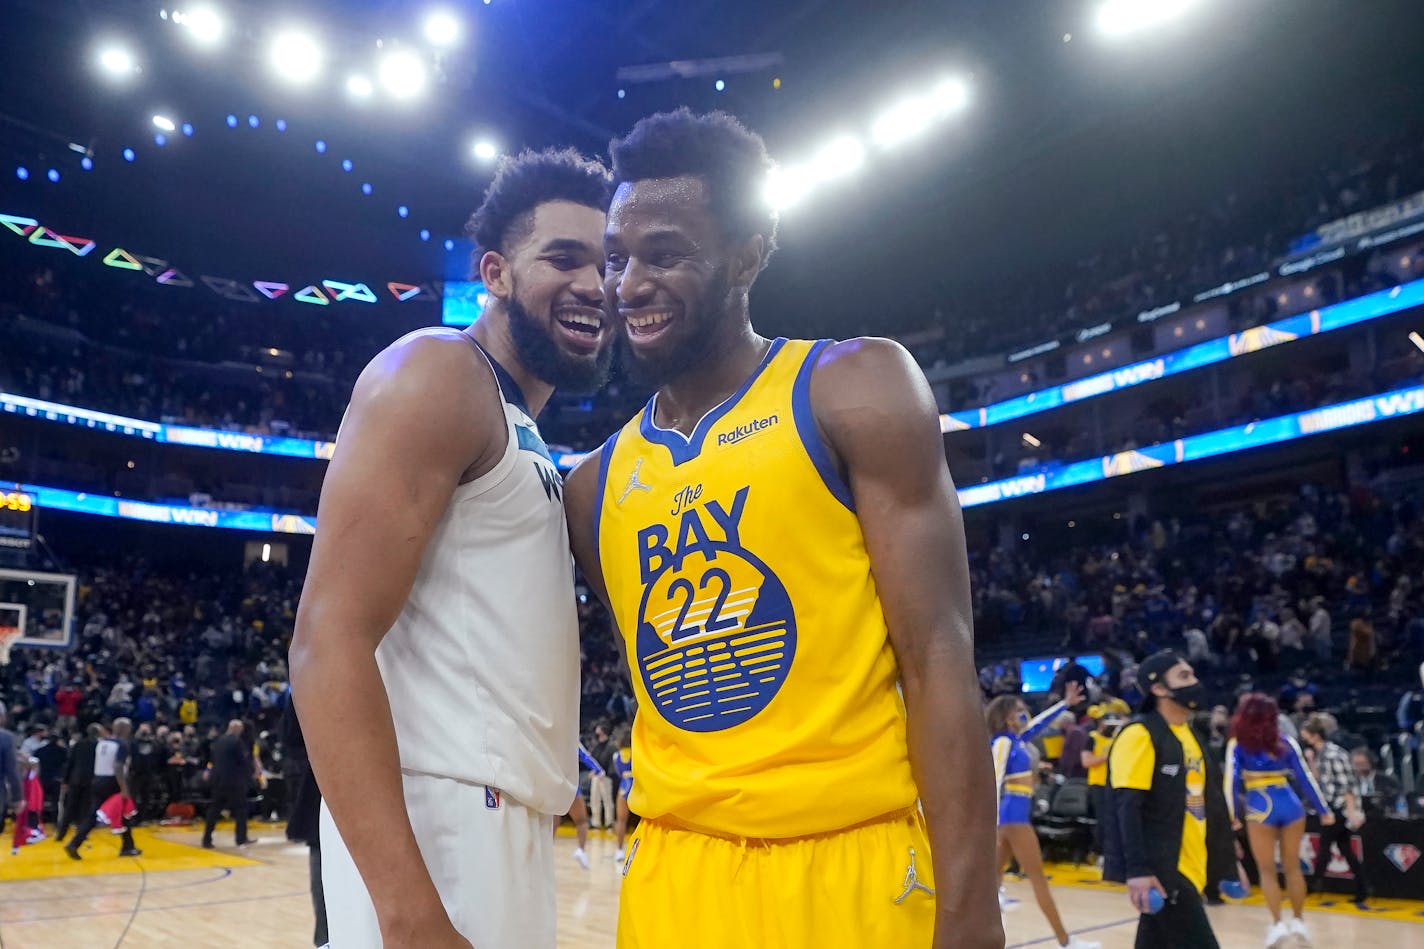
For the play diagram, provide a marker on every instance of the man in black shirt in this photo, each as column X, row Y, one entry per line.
column 111, row 766
column 76, row 793
column 231, row 775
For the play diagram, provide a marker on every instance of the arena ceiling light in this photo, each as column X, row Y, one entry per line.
column 485, row 150
column 1117, row 18
column 203, row 25
column 949, row 96
column 164, row 122
column 841, row 156
column 913, row 115
column 442, row 29
column 402, row 74
column 116, row 61
column 296, row 56
column 785, row 187
column 360, row 87
column 907, row 118
column 904, row 121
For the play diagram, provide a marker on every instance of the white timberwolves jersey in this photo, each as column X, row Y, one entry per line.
column 482, row 665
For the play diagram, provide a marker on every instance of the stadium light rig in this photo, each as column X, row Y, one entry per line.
column 359, row 87
column 485, row 150
column 164, row 122
column 295, row 56
column 402, row 74
column 1118, row 18
column 117, row 61
column 910, row 117
column 203, row 25
column 442, row 29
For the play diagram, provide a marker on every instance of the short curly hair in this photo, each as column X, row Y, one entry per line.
column 525, row 181
column 729, row 158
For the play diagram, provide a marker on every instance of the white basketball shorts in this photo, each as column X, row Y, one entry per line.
column 491, row 859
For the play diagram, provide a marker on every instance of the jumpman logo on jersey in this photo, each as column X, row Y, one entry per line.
column 634, row 484
column 912, row 881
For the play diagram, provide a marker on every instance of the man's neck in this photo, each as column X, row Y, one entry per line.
column 683, row 402
column 491, row 331
column 1172, row 712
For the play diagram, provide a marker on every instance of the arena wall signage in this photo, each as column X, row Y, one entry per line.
column 1396, row 404
column 1388, row 405
column 1386, row 218
column 1372, row 306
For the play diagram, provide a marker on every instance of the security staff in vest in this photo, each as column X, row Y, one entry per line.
column 1160, row 785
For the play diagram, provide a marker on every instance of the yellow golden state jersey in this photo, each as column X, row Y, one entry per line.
column 768, row 694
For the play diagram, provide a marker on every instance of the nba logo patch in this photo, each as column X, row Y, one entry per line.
column 1402, row 856
column 491, row 799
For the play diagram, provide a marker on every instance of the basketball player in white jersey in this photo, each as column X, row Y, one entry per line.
column 435, row 664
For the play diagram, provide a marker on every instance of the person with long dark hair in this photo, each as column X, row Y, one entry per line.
column 1008, row 721
column 1260, row 763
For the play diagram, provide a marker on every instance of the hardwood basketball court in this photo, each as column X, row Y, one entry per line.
column 177, row 894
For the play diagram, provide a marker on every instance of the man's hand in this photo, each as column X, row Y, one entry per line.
column 1139, row 887
column 1072, row 693
column 1327, row 819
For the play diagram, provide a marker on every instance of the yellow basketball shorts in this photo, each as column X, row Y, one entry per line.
column 868, row 885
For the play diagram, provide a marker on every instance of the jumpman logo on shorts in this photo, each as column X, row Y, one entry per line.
column 912, row 881
column 634, row 484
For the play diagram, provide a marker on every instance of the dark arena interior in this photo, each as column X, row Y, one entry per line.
column 1159, row 265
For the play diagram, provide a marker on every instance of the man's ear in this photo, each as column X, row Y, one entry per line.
column 494, row 274
column 747, row 261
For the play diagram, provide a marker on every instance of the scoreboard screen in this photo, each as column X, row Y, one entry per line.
column 17, row 519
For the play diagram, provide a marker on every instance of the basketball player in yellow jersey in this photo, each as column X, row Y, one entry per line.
column 780, row 544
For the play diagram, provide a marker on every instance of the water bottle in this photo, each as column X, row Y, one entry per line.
column 1155, row 901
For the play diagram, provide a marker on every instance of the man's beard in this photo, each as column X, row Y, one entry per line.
column 537, row 351
column 656, row 370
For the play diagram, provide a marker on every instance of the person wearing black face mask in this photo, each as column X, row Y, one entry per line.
column 1161, row 829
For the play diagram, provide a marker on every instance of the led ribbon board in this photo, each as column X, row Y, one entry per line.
column 1348, row 313
column 159, row 432
column 1397, row 404
column 1275, row 431
column 285, row 446
column 266, row 521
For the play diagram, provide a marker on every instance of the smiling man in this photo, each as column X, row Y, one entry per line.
column 779, row 542
column 435, row 662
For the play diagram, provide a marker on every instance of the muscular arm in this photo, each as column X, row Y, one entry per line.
column 880, row 422
column 423, row 414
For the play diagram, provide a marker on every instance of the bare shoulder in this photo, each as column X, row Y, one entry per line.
column 869, row 381
column 862, row 356
column 429, row 398
column 439, row 364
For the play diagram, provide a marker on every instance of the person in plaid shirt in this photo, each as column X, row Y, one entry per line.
column 1342, row 792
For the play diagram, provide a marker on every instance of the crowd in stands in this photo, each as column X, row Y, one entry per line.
column 1234, row 237
column 181, row 653
column 185, row 355
column 1259, row 588
column 1314, row 592
column 190, row 358
column 1184, row 407
column 1313, row 599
